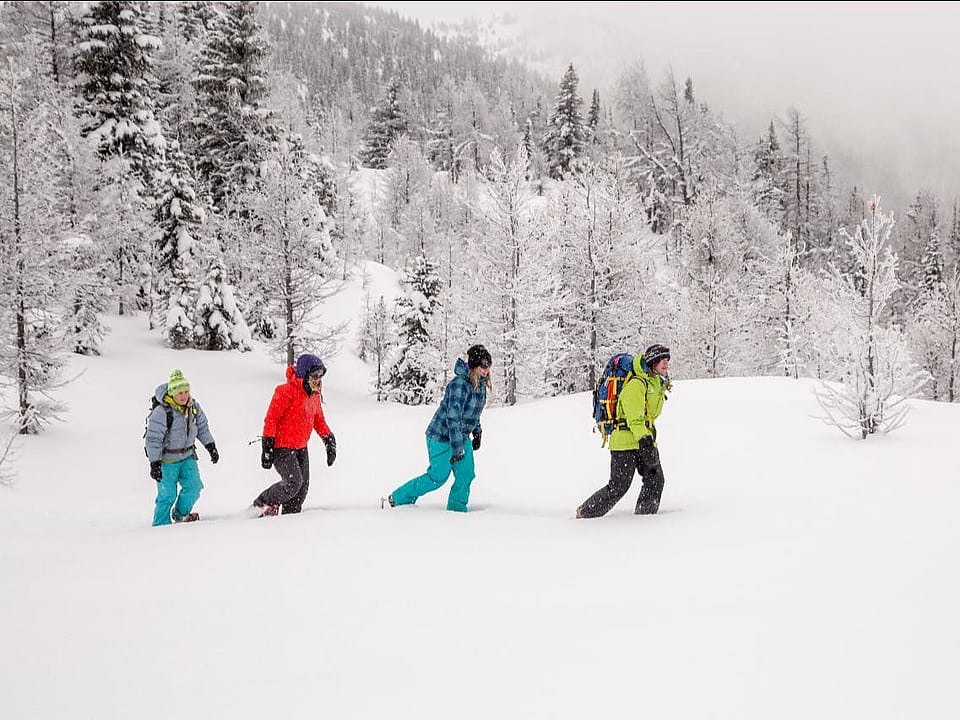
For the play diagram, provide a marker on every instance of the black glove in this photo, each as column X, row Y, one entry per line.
column 456, row 457
column 212, row 449
column 155, row 472
column 266, row 457
column 331, row 442
column 476, row 439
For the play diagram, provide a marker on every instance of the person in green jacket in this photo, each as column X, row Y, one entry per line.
column 633, row 445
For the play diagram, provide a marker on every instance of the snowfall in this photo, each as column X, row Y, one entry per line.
column 791, row 573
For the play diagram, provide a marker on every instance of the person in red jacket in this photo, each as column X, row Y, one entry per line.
column 294, row 411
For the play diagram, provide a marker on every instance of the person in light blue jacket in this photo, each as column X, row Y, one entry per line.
column 176, row 422
column 454, row 422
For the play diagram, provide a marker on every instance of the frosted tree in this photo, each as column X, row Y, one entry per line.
column 113, row 59
column 768, row 193
column 516, row 279
column 387, row 123
column 413, row 377
column 233, row 129
column 565, row 139
column 874, row 370
column 90, row 294
column 598, row 221
column 724, row 274
column 31, row 354
column 218, row 322
column 934, row 331
column 298, row 267
column 376, row 340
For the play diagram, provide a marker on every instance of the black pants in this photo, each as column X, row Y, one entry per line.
column 623, row 463
column 291, row 490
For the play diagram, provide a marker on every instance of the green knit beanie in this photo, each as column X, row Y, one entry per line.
column 177, row 383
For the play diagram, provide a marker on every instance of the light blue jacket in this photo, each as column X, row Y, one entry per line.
column 188, row 425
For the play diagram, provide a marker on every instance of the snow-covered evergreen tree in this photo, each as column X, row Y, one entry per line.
column 179, row 216
column 218, row 322
column 565, row 138
column 232, row 131
column 387, row 123
column 873, row 365
column 414, row 376
column 90, row 293
column 114, row 58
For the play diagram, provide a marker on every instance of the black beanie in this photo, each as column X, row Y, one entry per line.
column 478, row 356
column 655, row 353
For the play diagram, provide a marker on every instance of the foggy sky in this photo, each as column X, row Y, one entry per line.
column 878, row 83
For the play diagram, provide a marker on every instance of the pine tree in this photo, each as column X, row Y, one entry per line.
column 85, row 329
column 413, row 376
column 387, row 124
column 219, row 324
column 114, row 57
column 179, row 216
column 565, row 139
column 593, row 117
column 233, row 130
column 768, row 170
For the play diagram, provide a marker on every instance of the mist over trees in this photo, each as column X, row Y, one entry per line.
column 221, row 168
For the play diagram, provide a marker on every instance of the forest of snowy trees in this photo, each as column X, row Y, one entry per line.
column 222, row 167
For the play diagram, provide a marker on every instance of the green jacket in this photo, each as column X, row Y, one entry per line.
column 640, row 403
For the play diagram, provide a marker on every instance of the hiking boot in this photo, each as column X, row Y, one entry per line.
column 258, row 511
column 190, row 517
column 385, row 500
column 648, row 507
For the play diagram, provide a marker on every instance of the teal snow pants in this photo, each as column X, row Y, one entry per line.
column 186, row 473
column 438, row 473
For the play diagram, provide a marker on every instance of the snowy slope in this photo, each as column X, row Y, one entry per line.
column 792, row 573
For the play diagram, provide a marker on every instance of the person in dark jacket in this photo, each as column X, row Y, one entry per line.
column 457, row 419
column 176, row 422
column 295, row 410
column 633, row 445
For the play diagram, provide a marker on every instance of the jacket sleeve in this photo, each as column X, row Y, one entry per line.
column 454, row 402
column 203, row 427
column 633, row 403
column 320, row 423
column 279, row 404
column 156, row 433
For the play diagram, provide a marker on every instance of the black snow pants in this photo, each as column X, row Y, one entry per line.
column 291, row 490
column 623, row 463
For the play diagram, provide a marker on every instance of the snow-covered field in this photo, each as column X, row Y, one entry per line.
column 792, row 572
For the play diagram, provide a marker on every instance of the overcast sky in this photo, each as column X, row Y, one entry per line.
column 879, row 83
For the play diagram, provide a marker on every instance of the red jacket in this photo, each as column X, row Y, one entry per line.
column 292, row 414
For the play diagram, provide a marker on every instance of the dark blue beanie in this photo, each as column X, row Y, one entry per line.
column 307, row 363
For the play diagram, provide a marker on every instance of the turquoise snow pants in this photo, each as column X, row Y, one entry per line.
column 438, row 473
column 187, row 475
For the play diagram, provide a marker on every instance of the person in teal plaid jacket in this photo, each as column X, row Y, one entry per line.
column 453, row 435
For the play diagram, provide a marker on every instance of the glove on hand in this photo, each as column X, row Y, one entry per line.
column 212, row 449
column 331, row 443
column 456, row 457
column 476, row 439
column 155, row 472
column 266, row 457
